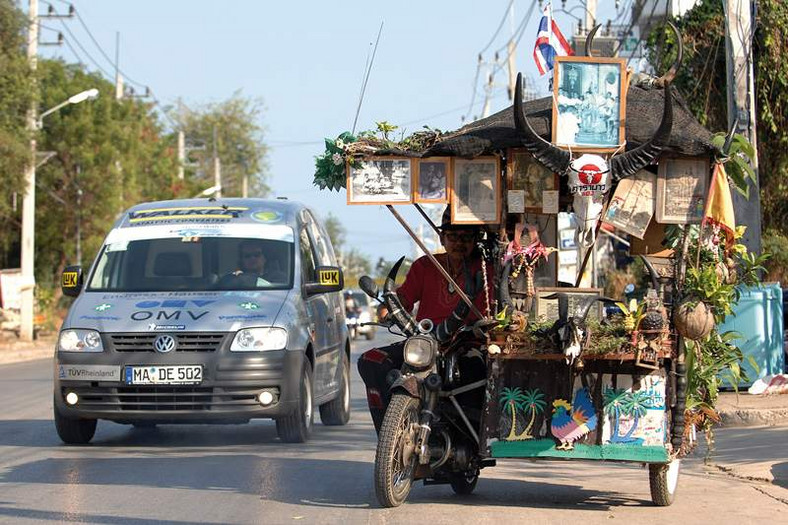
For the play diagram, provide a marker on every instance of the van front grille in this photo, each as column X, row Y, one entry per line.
column 186, row 342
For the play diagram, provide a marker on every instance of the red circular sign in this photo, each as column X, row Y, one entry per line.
column 589, row 174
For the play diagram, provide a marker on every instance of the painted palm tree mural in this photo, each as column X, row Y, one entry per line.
column 531, row 401
column 622, row 403
column 511, row 400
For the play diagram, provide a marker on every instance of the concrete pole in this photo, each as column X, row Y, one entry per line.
column 591, row 14
column 118, row 78
column 511, row 62
column 245, row 185
column 741, row 105
column 217, row 167
column 29, row 201
column 181, row 154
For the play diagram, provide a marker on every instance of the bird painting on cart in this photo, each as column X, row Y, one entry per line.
column 572, row 422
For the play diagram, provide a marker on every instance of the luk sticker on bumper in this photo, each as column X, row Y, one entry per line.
column 88, row 373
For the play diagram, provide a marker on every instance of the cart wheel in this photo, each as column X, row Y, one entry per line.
column 464, row 484
column 664, row 479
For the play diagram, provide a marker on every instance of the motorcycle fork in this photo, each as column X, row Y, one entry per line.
column 425, row 426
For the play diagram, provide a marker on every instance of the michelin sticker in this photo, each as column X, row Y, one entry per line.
column 88, row 373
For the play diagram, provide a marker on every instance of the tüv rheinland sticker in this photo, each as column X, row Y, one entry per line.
column 88, row 373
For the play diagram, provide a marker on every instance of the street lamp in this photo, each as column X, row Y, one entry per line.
column 88, row 94
column 28, row 280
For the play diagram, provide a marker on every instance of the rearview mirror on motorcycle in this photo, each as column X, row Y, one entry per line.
column 369, row 286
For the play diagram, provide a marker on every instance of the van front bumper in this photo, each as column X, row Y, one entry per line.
column 229, row 390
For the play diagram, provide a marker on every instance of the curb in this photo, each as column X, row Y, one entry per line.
column 753, row 417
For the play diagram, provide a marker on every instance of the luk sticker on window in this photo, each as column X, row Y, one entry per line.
column 328, row 276
column 70, row 279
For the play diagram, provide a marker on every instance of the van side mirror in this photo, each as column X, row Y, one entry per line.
column 71, row 281
column 327, row 279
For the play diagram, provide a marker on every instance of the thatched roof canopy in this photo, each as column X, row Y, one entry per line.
column 643, row 115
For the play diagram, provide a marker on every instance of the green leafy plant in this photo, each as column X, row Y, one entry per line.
column 330, row 166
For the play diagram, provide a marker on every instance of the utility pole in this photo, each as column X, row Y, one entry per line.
column 181, row 154
column 590, row 6
column 118, row 78
column 510, row 48
column 29, row 201
column 217, row 167
column 488, row 88
column 741, row 106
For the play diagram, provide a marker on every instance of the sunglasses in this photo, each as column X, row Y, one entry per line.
column 249, row 255
column 460, row 237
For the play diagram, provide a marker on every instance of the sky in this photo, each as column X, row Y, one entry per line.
column 306, row 62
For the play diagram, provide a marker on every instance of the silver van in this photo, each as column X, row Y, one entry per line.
column 200, row 311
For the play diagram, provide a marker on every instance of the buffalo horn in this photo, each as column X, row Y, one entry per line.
column 550, row 156
column 674, row 69
column 590, row 40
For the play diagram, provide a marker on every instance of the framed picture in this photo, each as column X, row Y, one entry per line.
column 380, row 180
column 591, row 103
column 682, row 184
column 524, row 173
column 632, row 204
column 432, row 180
column 475, row 191
column 547, row 309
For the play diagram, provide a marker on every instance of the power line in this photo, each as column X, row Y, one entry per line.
column 503, row 19
column 81, row 47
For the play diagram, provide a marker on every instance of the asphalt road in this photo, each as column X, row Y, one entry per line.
column 243, row 474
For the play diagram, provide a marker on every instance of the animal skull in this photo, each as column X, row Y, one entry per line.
column 589, row 181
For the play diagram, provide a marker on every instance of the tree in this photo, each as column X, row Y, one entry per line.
column 336, row 232
column 702, row 80
column 239, row 143
column 108, row 155
column 16, row 95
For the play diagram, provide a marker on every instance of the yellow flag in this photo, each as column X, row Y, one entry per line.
column 719, row 204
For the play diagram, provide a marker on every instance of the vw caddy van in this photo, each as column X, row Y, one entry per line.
column 205, row 311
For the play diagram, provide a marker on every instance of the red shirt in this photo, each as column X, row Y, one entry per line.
column 426, row 285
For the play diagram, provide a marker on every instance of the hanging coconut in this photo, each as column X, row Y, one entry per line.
column 693, row 322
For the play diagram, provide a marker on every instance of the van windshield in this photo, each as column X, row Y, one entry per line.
column 193, row 264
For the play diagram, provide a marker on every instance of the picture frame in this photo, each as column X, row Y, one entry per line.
column 547, row 309
column 475, row 191
column 380, row 180
column 590, row 108
column 632, row 205
column 682, row 185
column 525, row 173
column 431, row 181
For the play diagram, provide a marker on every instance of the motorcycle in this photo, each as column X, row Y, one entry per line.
column 352, row 321
column 429, row 431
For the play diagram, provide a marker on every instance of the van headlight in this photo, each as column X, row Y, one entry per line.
column 78, row 340
column 259, row 339
column 420, row 351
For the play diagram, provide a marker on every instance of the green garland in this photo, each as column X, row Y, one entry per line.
column 330, row 166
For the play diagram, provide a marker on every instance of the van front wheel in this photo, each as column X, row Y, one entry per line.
column 74, row 431
column 296, row 427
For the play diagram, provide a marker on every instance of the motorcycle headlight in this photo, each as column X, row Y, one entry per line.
column 420, row 351
column 77, row 340
column 259, row 339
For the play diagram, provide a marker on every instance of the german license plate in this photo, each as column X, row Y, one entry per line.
column 164, row 375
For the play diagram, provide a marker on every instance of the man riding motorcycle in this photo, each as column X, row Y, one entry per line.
column 437, row 300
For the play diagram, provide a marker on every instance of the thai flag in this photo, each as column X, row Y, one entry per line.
column 550, row 42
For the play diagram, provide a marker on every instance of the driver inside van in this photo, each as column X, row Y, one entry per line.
column 252, row 269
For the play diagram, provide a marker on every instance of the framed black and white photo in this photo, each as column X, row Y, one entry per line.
column 380, row 180
column 432, row 180
column 632, row 205
column 546, row 302
column 591, row 103
column 475, row 191
column 681, row 189
column 525, row 173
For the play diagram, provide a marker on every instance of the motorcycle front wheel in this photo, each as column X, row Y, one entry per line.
column 395, row 458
